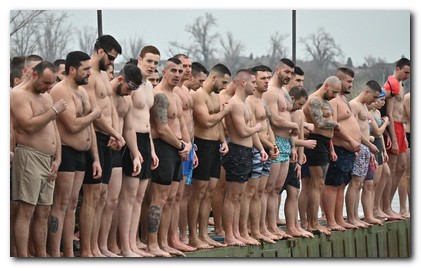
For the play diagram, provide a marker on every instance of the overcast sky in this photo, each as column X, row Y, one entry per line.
column 359, row 33
column 384, row 35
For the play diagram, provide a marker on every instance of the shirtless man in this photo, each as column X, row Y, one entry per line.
column 238, row 162
column 38, row 153
column 279, row 104
column 154, row 78
column 134, row 187
column 318, row 111
column 106, row 49
column 128, row 80
column 218, row 198
column 297, row 80
column 198, row 76
column 199, row 73
column 60, row 66
column 172, row 144
column 345, row 145
column 395, row 111
column 257, row 182
column 25, row 71
column 292, row 183
column 210, row 140
column 365, row 159
column 75, row 128
column 405, row 184
column 177, row 188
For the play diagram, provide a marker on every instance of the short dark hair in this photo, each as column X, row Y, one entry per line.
column 132, row 73
column 221, row 69
column 175, row 60
column 373, row 85
column 403, row 62
column 287, row 62
column 40, row 67
column 180, row 55
column 149, row 49
column 260, row 68
column 74, row 59
column 57, row 62
column 298, row 70
column 247, row 71
column 197, row 68
column 298, row 93
column 342, row 71
column 107, row 42
column 16, row 65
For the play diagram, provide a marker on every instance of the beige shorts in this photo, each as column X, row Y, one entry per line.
column 31, row 169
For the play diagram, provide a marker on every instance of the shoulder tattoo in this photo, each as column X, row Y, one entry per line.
column 160, row 108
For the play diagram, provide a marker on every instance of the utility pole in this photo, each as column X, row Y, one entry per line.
column 99, row 19
column 294, row 36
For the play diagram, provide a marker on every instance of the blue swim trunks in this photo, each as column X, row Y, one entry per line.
column 259, row 168
column 284, row 149
column 188, row 167
column 339, row 171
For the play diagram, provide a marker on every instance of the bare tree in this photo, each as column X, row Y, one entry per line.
column 277, row 50
column 86, row 38
column 55, row 36
column 322, row 48
column 20, row 19
column 201, row 47
column 232, row 51
column 24, row 34
column 132, row 48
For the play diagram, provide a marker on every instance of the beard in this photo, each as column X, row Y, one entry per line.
column 102, row 65
column 119, row 91
column 82, row 81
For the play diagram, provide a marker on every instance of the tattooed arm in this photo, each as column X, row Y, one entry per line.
column 316, row 113
column 159, row 116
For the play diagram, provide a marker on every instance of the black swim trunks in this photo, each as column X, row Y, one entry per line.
column 170, row 168
column 144, row 147
column 339, row 171
column 105, row 159
column 71, row 160
column 320, row 155
column 291, row 179
column 238, row 163
column 209, row 160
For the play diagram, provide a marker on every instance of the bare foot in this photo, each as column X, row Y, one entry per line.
column 347, row 225
column 320, row 229
column 264, row 238
column 181, row 246
column 356, row 223
column 156, row 251
column 335, row 227
column 293, row 232
column 140, row 245
column 108, row 253
column 97, row 253
column 130, row 254
column 366, row 224
column 199, row 244
column 250, row 240
column 184, row 239
column 405, row 213
column 141, row 252
column 234, row 242
column 219, row 233
column 373, row 221
column 173, row 251
column 270, row 235
column 379, row 214
column 212, row 242
column 305, row 232
column 210, row 222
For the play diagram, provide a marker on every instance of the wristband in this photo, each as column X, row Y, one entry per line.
column 54, row 109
